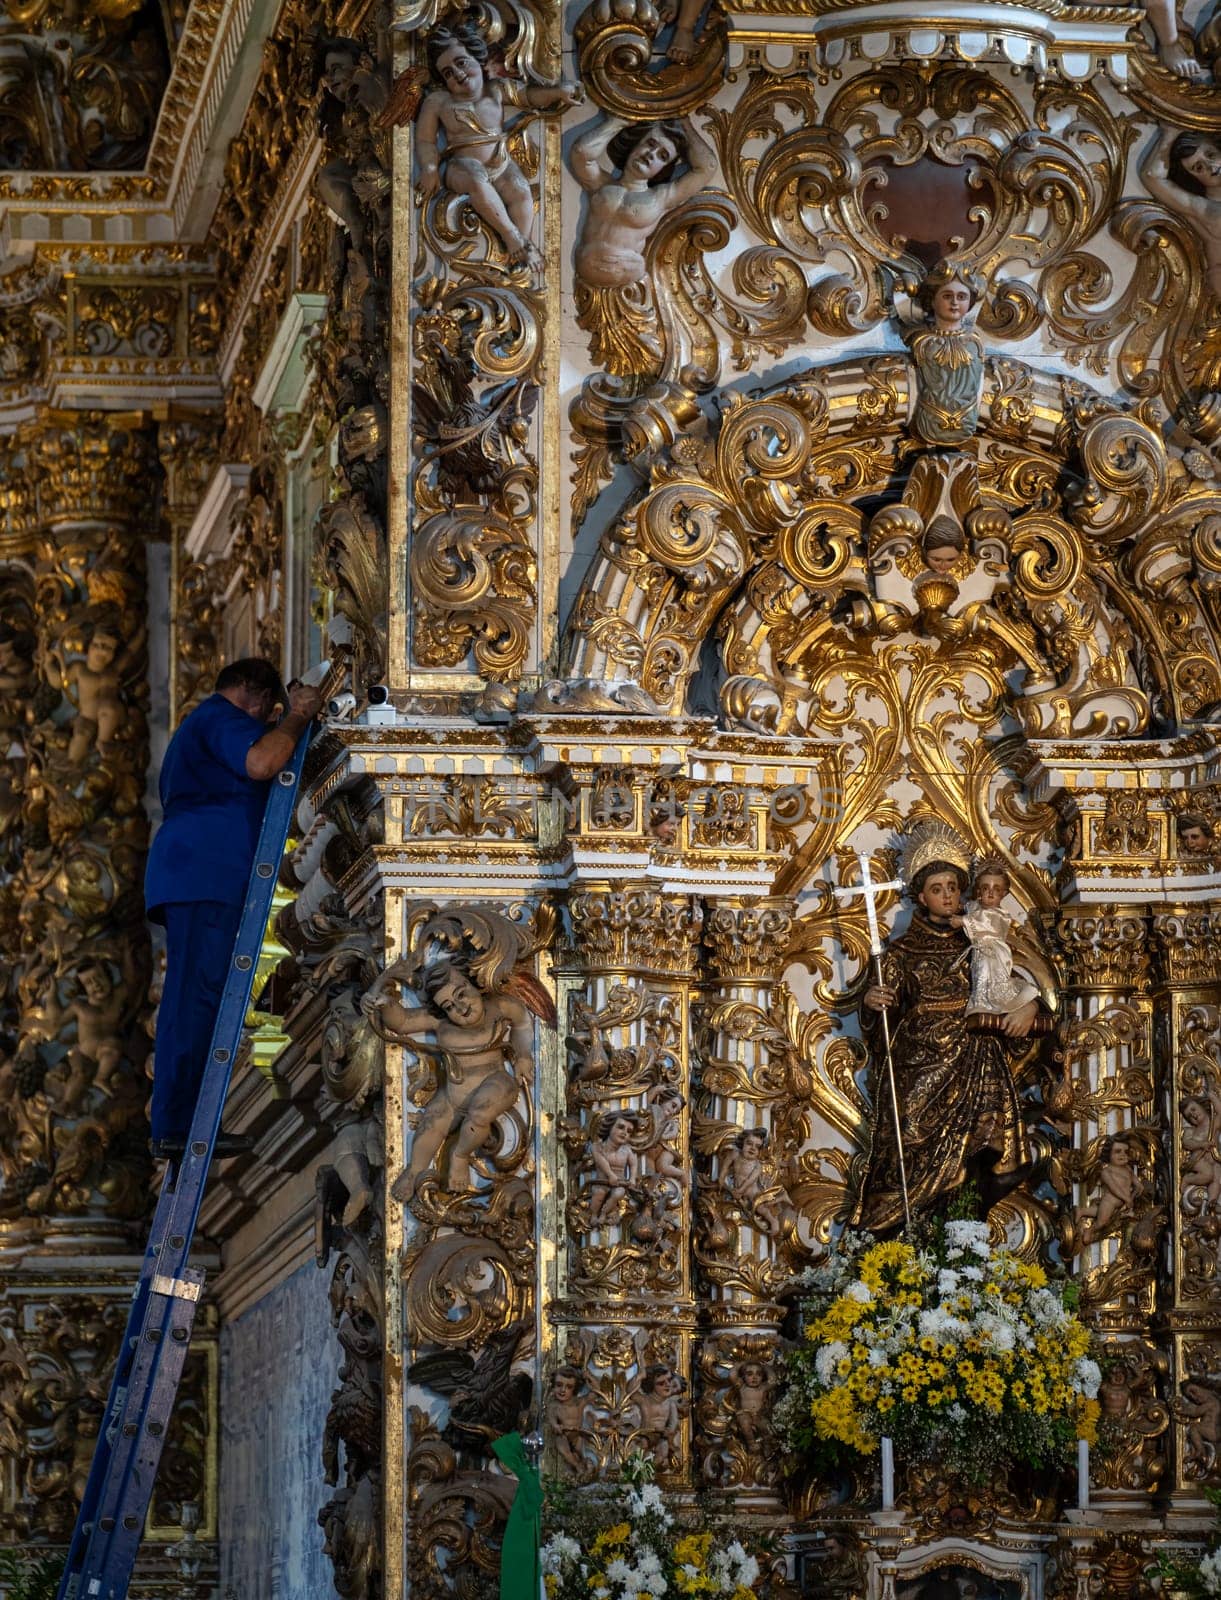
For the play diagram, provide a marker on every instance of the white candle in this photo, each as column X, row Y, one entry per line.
column 1083, row 1474
column 888, row 1475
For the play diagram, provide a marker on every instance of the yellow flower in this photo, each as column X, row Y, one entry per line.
column 886, row 1403
column 551, row 1583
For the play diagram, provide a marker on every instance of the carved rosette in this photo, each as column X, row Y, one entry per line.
column 625, row 1326
column 745, row 1245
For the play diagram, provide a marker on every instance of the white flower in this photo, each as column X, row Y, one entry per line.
column 973, row 1236
column 947, row 1281
column 859, row 1291
column 618, row 1570
column 1210, row 1573
column 1089, row 1377
column 827, row 1359
column 976, row 1274
column 559, row 1552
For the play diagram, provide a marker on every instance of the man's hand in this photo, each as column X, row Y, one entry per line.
column 523, row 1071
column 877, row 997
column 304, row 701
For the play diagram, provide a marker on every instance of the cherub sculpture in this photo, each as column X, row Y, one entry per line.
column 354, row 97
column 1123, row 1188
column 653, row 1413
column 628, row 172
column 1183, row 171
column 949, row 358
column 746, row 1178
column 477, row 1036
column 94, row 682
column 750, row 1401
column 468, row 107
column 616, row 1167
column 1200, row 1142
column 1163, row 19
column 565, row 1415
column 1199, row 1409
column 665, row 1106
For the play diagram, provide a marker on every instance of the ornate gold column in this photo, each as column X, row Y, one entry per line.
column 73, row 1137
column 745, row 1218
column 1106, row 1103
column 1187, row 1000
column 627, row 1317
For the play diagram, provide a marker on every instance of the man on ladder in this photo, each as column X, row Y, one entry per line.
column 214, row 784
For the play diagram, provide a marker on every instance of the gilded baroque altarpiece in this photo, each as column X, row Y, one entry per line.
column 750, row 434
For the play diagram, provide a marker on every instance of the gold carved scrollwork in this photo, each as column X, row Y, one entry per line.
column 615, row 44
column 473, row 591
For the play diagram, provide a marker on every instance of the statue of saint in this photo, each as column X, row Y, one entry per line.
column 958, row 1101
column 949, row 358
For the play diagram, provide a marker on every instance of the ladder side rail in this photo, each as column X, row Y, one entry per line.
column 119, row 1388
column 163, row 1300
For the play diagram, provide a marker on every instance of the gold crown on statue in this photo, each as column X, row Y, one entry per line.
column 933, row 841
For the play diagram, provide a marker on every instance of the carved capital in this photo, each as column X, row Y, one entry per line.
column 636, row 930
column 188, row 448
column 746, row 939
column 1105, row 947
column 92, row 467
column 1187, row 945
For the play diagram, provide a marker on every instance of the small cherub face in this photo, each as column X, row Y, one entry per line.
column 1204, row 163
column 752, row 1144
column 620, row 1131
column 459, row 1000
column 460, row 73
column 663, row 1384
column 101, row 651
column 951, row 304
column 941, row 558
column 1195, row 1114
column 338, row 72
column 1194, row 839
column 990, row 890
column 95, row 985
column 753, row 1375
column 1121, row 1154
column 650, row 156
column 563, row 1386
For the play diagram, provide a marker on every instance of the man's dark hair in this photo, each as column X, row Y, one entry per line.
column 626, row 140
column 931, row 869
column 251, row 673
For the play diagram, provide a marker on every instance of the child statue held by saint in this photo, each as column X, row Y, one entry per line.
column 996, row 990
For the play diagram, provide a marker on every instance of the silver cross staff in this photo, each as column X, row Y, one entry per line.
column 871, row 891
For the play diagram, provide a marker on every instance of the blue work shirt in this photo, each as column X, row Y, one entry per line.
column 204, row 849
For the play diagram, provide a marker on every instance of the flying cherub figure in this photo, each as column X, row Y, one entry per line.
column 1122, row 1188
column 94, row 683
column 468, row 107
column 477, row 1036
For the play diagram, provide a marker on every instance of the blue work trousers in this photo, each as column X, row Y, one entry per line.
column 199, row 937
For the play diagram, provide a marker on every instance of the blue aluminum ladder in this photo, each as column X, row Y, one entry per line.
column 110, row 1523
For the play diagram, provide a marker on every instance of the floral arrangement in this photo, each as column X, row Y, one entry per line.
column 621, row 1543
column 956, row 1350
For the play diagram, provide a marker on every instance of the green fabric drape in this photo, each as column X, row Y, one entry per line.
column 520, row 1569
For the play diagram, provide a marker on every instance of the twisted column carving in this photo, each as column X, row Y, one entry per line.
column 1187, row 1000
column 74, row 1164
column 1114, row 1166
column 745, row 1219
column 628, row 1315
